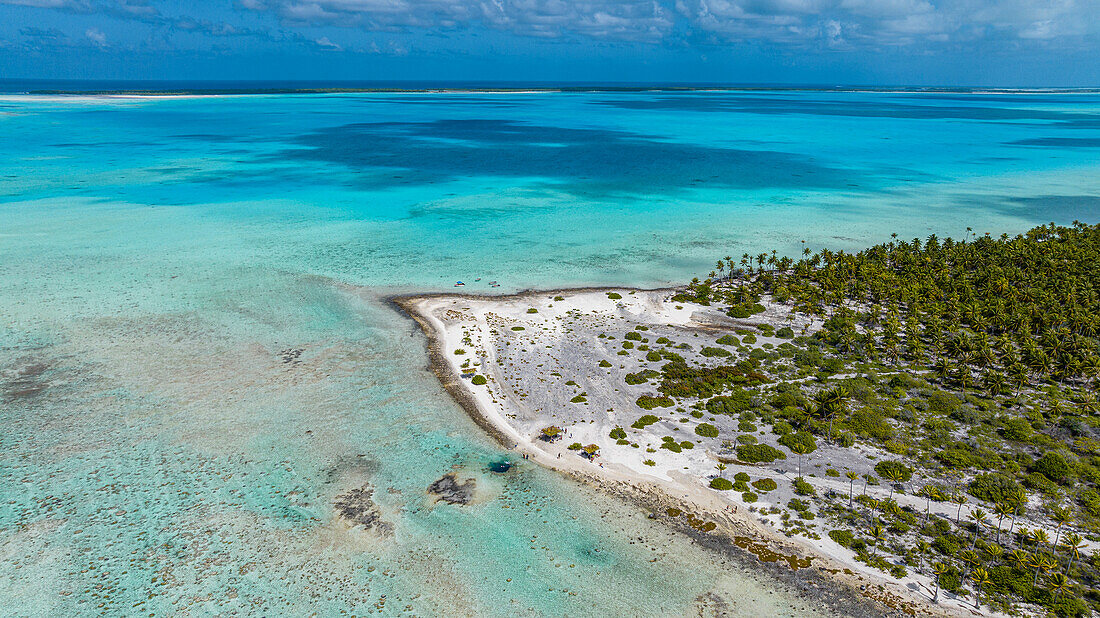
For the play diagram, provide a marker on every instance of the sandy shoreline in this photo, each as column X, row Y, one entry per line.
column 844, row 586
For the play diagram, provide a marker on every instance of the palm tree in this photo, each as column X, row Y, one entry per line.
column 960, row 499
column 799, row 449
column 721, row 468
column 1041, row 562
column 894, row 475
column 878, row 533
column 1060, row 516
column 980, row 577
column 1002, row 510
column 852, row 476
column 1060, row 584
column 1072, row 543
column 979, row 516
column 1019, row 558
column 939, row 569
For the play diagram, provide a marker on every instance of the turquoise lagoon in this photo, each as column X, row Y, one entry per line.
column 196, row 357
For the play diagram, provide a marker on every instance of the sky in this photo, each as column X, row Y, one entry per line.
column 1007, row 43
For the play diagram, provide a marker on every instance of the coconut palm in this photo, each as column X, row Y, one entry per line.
column 979, row 516
column 1002, row 510
column 959, row 498
column 1073, row 545
column 1060, row 516
column 980, row 577
column 852, row 476
column 939, row 569
column 1060, row 584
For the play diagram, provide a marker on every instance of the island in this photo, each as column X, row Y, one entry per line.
column 917, row 421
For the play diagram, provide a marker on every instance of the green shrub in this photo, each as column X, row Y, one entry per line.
column 1053, row 466
column 802, row 488
column 578, row 399
column 614, row 296
column 742, row 476
column 653, row 356
column 633, row 336
column 715, row 352
column 759, row 453
column 618, row 433
column 604, row 363
column 646, row 402
column 996, row 487
column 576, row 446
column 721, row 484
column 532, row 310
column 642, row 376
column 799, row 438
column 478, row 380
column 663, row 340
column 460, row 352
column 518, row 328
column 628, row 345
column 727, row 340
column 644, row 421
column 782, row 428
column 785, row 333
column 887, row 466
column 740, row 486
column 843, row 538
column 748, row 497
column 746, row 426
column 765, row 485
column 706, row 430
column 748, row 339
column 746, row 438
column 946, row 545
column 559, row 298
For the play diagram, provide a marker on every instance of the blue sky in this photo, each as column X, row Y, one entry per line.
column 883, row 42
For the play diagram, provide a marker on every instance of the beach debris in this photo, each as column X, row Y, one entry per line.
column 459, row 284
column 449, row 490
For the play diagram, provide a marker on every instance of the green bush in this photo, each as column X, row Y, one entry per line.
column 518, row 328
column 633, row 336
column 886, row 466
column 663, row 340
column 759, row 453
column 742, row 476
column 727, row 340
column 765, row 485
column 478, row 380
column 740, row 486
column 604, row 363
column 646, row 402
column 748, row 339
column 578, row 399
column 644, row 421
column 721, row 484
column 748, row 497
column 802, row 488
column 946, row 545
column 785, row 333
column 614, row 296
column 715, row 352
column 746, row 438
column 782, row 428
column 843, row 538
column 576, row 446
column 628, row 345
column 996, row 488
column 532, row 310
column 642, row 376
column 618, row 433
column 799, row 438
column 1053, row 466
column 706, row 430
column 653, row 356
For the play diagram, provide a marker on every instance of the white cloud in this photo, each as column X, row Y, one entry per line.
column 96, row 36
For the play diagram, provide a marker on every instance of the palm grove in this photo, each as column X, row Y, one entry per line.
column 975, row 363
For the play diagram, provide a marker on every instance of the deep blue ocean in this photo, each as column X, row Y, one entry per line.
column 161, row 259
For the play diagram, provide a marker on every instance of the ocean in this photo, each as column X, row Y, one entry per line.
column 197, row 358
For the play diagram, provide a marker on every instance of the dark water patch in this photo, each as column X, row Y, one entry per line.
column 874, row 108
column 1062, row 209
column 589, row 160
column 500, row 466
column 1059, row 142
column 28, row 381
column 357, row 508
column 449, row 490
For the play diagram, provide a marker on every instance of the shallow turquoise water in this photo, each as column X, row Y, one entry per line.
column 158, row 257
